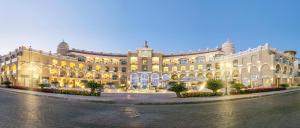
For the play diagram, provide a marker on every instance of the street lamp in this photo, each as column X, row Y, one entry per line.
column 227, row 75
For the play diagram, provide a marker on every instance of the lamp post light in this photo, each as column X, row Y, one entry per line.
column 227, row 75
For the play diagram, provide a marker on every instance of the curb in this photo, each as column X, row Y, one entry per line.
column 74, row 98
column 213, row 101
column 15, row 91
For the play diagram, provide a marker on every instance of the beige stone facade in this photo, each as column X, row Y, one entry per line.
column 144, row 68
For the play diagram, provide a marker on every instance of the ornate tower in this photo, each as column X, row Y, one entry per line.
column 228, row 47
column 63, row 48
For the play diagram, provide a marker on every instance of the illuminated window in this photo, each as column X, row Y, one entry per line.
column 192, row 67
column 209, row 75
column 155, row 60
column 106, row 61
column 89, row 75
column 174, row 77
column 53, row 72
column 166, row 61
column 166, row 69
column 72, row 65
column 200, row 75
column 217, row 66
column 144, row 61
column 133, row 60
column 174, row 69
column 200, row 67
column 6, row 68
column 106, row 76
column 174, row 61
column 97, row 67
column 63, row 63
column 235, row 73
column 54, row 62
column 182, row 68
column 218, row 75
column 133, row 68
column 115, row 61
column 155, row 68
column 13, row 68
column 80, row 66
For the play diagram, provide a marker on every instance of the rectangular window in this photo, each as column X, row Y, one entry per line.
column 133, row 68
column 183, row 61
column 115, row 69
column 123, row 69
column 155, row 68
column 133, row 60
column 192, row 67
column 166, row 61
column 166, row 69
column 182, row 68
column 174, row 69
column 145, row 68
column 155, row 60
column 200, row 67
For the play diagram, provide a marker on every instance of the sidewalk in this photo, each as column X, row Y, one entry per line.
column 148, row 98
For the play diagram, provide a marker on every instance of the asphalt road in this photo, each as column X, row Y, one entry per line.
column 28, row 111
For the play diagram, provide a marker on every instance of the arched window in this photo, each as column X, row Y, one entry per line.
column 209, row 75
column 278, row 68
column 235, row 73
column 217, row 66
column 218, row 75
column 174, row 77
column 115, row 77
column 235, row 63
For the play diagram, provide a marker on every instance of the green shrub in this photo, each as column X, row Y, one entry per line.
column 59, row 91
column 257, row 90
column 284, row 85
column 201, row 94
column 177, row 88
column 214, row 85
column 93, row 86
column 238, row 86
column 43, row 85
column 55, row 83
column 7, row 83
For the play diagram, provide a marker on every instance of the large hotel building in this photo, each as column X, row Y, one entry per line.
column 144, row 68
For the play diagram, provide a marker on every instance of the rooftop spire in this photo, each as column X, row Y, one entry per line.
column 146, row 44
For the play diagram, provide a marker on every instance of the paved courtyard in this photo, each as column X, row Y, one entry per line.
column 28, row 111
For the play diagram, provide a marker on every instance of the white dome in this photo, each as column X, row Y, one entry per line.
column 63, row 45
column 228, row 47
column 63, row 48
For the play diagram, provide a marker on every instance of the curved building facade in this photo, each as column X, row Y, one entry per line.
column 144, row 68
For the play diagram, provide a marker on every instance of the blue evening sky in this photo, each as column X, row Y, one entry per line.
column 168, row 25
